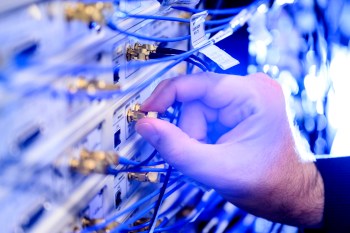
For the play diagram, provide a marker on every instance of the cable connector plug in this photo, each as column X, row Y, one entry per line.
column 136, row 114
column 140, row 51
column 152, row 177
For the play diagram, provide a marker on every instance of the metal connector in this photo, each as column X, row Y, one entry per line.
column 152, row 177
column 94, row 161
column 136, row 114
column 90, row 86
column 140, row 51
column 88, row 222
column 89, row 12
column 143, row 221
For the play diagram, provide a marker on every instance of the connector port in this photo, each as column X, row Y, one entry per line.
column 134, row 113
column 117, row 139
column 28, row 137
column 33, row 216
column 118, row 199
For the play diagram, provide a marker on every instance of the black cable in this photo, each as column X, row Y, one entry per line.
column 196, row 63
column 178, row 51
column 272, row 227
column 147, row 160
column 165, row 52
column 160, row 200
column 279, row 230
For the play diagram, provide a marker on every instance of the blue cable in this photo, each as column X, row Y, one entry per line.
column 146, row 224
column 155, row 17
column 137, row 216
column 145, row 211
column 211, row 12
column 200, row 207
column 114, row 27
column 133, row 207
column 135, row 64
column 125, row 161
column 198, row 64
column 147, row 160
column 181, row 57
column 106, row 94
column 153, row 222
column 176, row 19
column 113, row 171
column 218, row 21
column 166, row 52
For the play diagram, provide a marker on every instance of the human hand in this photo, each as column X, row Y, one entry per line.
column 234, row 136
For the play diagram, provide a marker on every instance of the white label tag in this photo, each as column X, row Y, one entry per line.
column 197, row 28
column 219, row 56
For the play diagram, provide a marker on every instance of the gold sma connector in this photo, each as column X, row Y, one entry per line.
column 94, row 161
column 142, row 221
column 134, row 114
column 152, row 177
column 88, row 12
column 89, row 222
column 90, row 86
column 140, row 51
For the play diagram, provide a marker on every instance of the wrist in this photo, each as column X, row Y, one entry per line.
column 307, row 202
column 311, row 204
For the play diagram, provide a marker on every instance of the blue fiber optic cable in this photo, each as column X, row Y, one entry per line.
column 147, row 209
column 153, row 222
column 198, row 64
column 125, row 161
column 135, row 64
column 105, row 94
column 211, row 12
column 218, row 21
column 134, row 206
column 113, row 171
column 193, row 216
column 176, row 205
column 243, row 225
column 108, row 94
column 225, row 217
column 155, row 17
column 114, row 27
column 165, row 52
column 176, row 19
column 147, row 160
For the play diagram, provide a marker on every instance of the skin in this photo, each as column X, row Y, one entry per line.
column 234, row 136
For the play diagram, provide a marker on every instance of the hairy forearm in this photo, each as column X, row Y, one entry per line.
column 290, row 192
column 297, row 202
column 303, row 202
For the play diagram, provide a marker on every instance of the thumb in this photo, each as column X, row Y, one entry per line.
column 200, row 161
column 170, row 141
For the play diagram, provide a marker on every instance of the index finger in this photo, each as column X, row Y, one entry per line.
column 215, row 90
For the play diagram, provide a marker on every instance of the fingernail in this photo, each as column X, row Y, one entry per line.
column 148, row 132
